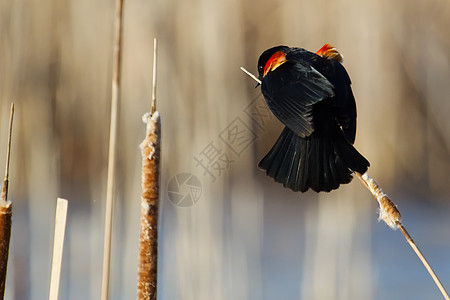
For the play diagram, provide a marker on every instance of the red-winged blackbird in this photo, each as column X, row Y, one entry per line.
column 310, row 94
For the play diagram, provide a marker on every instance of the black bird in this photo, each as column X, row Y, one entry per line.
column 310, row 94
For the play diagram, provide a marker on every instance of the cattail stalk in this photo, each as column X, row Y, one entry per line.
column 5, row 214
column 155, row 55
column 389, row 214
column 148, row 242
column 115, row 94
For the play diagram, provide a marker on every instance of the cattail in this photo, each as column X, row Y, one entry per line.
column 391, row 216
column 5, row 214
column 388, row 210
column 151, row 155
column 5, row 234
column 148, row 243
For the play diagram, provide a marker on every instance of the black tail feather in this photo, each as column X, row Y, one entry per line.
column 321, row 164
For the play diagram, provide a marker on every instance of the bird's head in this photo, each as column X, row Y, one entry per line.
column 270, row 60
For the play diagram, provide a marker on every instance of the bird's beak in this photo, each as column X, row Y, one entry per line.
column 257, row 83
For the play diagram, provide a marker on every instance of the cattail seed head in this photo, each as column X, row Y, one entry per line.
column 388, row 210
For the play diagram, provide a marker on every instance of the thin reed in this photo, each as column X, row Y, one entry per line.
column 390, row 214
column 115, row 94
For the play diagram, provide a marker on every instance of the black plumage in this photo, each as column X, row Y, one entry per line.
column 311, row 95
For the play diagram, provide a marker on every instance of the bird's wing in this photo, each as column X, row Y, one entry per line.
column 291, row 90
column 344, row 101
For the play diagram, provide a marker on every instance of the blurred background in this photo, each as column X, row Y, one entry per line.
column 226, row 230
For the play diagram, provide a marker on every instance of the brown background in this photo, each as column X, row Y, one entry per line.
column 246, row 237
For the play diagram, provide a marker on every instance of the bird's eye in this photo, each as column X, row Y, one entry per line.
column 260, row 69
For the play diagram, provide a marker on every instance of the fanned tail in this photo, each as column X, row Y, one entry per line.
column 319, row 163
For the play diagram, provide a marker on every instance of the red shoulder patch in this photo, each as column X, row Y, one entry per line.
column 276, row 60
column 330, row 52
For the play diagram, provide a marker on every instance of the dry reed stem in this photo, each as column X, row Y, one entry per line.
column 155, row 53
column 117, row 57
column 58, row 244
column 251, row 75
column 148, row 243
column 8, row 155
column 424, row 261
column 5, row 213
column 389, row 214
